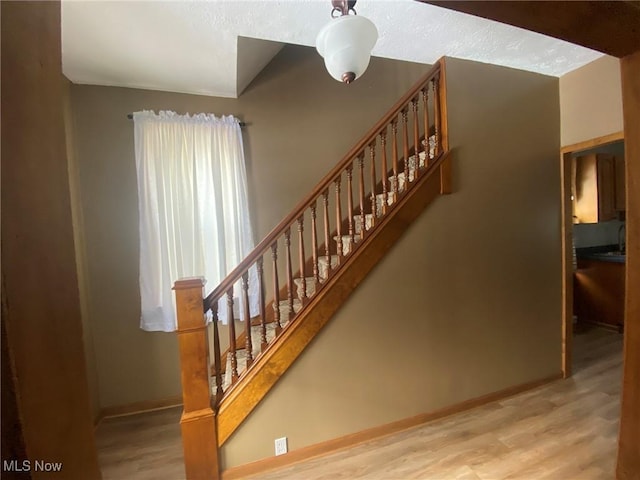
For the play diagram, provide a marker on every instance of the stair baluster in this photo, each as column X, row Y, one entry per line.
column 302, row 257
column 314, row 243
column 436, row 108
column 425, row 103
column 405, row 146
column 338, row 217
column 363, row 218
column 247, row 319
column 276, row 288
column 385, row 170
column 325, row 202
column 217, row 362
column 416, row 137
column 394, row 158
column 350, row 204
column 263, row 303
column 372, row 154
column 287, row 244
column 232, row 336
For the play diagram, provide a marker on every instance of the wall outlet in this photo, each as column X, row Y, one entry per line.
column 281, row 445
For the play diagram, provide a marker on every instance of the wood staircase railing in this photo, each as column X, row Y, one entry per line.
column 330, row 232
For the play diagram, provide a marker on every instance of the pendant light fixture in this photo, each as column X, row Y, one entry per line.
column 346, row 42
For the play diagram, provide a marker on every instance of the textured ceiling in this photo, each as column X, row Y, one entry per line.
column 217, row 47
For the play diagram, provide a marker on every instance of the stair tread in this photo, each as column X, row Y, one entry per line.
column 298, row 280
column 323, row 258
column 389, row 197
column 297, row 304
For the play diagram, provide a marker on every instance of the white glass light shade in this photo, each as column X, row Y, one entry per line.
column 345, row 43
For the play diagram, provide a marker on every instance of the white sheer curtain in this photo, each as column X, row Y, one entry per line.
column 194, row 215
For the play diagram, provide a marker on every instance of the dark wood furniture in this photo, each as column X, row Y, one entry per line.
column 599, row 292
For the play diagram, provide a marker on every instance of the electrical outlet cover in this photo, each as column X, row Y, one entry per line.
column 281, row 445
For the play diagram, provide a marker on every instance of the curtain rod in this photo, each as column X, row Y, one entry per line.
column 130, row 117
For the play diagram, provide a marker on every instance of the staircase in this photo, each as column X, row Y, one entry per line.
column 306, row 288
column 290, row 286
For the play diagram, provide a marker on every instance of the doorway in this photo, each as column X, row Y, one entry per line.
column 567, row 155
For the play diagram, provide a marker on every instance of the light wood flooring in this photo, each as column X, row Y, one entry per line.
column 565, row 430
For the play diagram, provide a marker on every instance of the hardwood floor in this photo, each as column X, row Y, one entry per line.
column 567, row 429
column 146, row 446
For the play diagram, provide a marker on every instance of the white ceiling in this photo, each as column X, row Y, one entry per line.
column 217, row 47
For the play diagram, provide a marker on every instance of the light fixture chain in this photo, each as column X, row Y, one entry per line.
column 343, row 7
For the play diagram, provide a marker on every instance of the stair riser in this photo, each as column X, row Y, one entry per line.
column 310, row 287
column 347, row 242
column 380, row 202
column 357, row 223
column 323, row 266
column 412, row 172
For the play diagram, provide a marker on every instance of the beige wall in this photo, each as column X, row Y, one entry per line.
column 80, row 253
column 467, row 303
column 591, row 101
column 300, row 124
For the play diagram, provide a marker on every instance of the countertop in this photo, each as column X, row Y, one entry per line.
column 605, row 253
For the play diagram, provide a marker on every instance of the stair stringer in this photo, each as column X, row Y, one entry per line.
column 244, row 396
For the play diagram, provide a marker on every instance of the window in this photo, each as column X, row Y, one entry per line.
column 194, row 215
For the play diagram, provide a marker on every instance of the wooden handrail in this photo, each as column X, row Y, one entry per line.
column 323, row 185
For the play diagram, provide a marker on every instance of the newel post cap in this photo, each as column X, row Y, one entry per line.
column 189, row 282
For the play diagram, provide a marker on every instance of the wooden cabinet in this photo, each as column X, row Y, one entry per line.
column 620, row 194
column 599, row 292
column 606, row 187
column 593, row 188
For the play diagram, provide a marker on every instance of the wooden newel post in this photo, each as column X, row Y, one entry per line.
column 198, row 422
